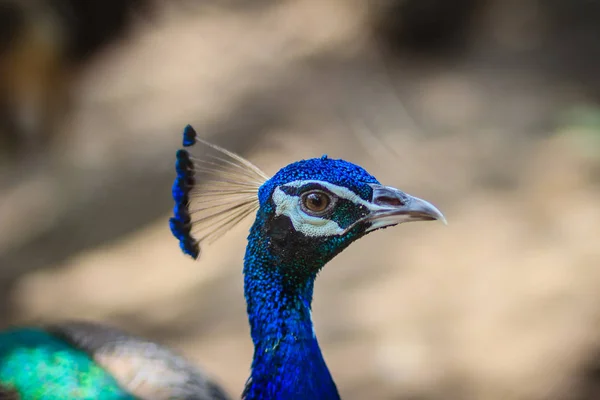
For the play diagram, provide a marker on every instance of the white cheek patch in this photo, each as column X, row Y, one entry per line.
column 307, row 224
column 314, row 226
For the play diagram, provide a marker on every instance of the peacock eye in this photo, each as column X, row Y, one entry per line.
column 316, row 201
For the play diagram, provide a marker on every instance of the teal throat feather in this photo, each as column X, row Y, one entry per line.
column 36, row 365
column 287, row 362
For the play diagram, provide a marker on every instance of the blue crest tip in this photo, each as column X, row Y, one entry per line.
column 184, row 168
column 324, row 157
column 181, row 230
column 189, row 136
column 181, row 190
column 182, row 213
column 182, row 155
column 190, row 247
column 176, row 228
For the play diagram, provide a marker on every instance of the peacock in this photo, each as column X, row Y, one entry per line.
column 305, row 214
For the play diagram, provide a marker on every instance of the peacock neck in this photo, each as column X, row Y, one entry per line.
column 287, row 362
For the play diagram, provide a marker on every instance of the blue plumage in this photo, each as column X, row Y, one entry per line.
column 189, row 136
column 306, row 214
column 336, row 172
column 184, row 182
column 279, row 281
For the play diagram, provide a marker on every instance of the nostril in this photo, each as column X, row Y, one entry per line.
column 388, row 201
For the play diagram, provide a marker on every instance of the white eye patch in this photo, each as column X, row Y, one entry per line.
column 309, row 225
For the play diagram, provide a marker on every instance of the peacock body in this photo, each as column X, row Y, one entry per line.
column 83, row 360
column 38, row 365
column 305, row 215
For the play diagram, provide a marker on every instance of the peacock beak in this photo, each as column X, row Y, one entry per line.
column 392, row 207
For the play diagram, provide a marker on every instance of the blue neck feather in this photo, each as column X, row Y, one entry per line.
column 287, row 363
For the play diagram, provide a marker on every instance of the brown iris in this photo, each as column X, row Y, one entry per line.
column 316, row 201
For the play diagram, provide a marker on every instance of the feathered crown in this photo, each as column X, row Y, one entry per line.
column 227, row 193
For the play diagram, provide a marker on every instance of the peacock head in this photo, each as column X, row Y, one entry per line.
column 307, row 213
column 313, row 209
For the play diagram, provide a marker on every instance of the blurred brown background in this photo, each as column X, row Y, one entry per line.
column 488, row 108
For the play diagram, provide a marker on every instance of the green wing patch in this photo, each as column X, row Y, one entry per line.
column 36, row 365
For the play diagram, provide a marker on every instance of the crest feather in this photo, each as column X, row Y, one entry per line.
column 228, row 193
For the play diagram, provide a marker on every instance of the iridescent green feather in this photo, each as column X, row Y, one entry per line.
column 36, row 365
